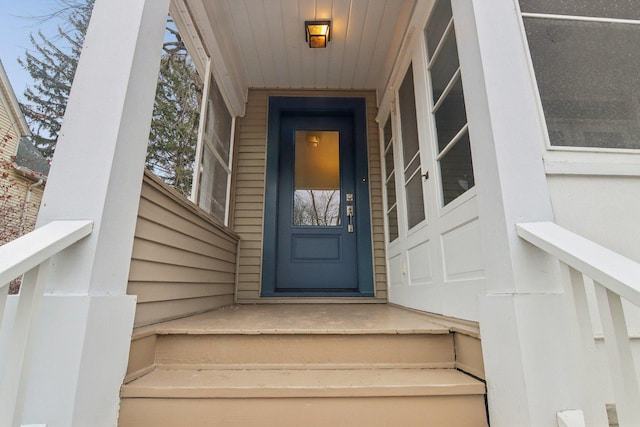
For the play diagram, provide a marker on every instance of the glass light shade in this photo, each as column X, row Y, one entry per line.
column 317, row 33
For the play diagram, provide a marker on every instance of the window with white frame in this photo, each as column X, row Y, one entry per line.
column 213, row 180
column 448, row 110
column 586, row 62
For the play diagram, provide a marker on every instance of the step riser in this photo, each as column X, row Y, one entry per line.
column 426, row 350
column 468, row 411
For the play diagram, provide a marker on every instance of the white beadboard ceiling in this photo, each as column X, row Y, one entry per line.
column 263, row 43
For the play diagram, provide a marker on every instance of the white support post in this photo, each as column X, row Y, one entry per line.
column 83, row 338
column 623, row 373
column 15, row 371
column 524, row 320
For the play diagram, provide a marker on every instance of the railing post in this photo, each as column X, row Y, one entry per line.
column 4, row 291
column 14, row 373
column 623, row 373
column 594, row 409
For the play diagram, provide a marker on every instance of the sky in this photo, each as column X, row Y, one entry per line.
column 17, row 21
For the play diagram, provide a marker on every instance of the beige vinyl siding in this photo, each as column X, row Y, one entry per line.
column 183, row 261
column 249, row 181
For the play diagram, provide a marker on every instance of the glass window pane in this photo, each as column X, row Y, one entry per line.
column 445, row 66
column 456, row 170
column 415, row 201
column 451, row 116
column 411, row 169
column 220, row 120
column 387, row 135
column 388, row 161
column 317, row 179
column 623, row 9
column 393, row 224
column 391, row 191
column 213, row 186
column 588, row 79
column 438, row 22
column 408, row 118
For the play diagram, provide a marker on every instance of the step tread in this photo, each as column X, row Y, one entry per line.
column 250, row 383
column 351, row 319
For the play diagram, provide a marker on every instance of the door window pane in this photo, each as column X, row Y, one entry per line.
column 438, row 22
column 391, row 191
column 444, row 66
column 456, row 169
column 415, row 201
column 317, row 179
column 451, row 116
column 388, row 158
column 393, row 224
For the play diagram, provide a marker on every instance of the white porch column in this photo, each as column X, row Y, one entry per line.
column 526, row 331
column 83, row 338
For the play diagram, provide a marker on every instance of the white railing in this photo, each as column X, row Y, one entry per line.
column 29, row 255
column 615, row 277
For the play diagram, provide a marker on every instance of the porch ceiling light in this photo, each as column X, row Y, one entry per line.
column 317, row 33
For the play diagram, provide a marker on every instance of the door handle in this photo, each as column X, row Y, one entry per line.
column 350, row 215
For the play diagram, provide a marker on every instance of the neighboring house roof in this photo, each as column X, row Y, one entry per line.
column 29, row 157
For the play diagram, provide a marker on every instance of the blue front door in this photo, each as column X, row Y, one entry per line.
column 317, row 204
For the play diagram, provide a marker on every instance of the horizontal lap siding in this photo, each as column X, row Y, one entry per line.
column 183, row 262
column 250, row 170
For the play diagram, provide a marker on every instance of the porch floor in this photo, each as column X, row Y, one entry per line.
column 310, row 318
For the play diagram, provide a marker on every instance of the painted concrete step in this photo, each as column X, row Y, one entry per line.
column 253, row 383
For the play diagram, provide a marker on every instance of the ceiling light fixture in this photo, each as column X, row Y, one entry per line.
column 317, row 33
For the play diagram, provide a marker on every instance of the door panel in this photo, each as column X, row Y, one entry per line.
column 316, row 249
column 317, row 230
